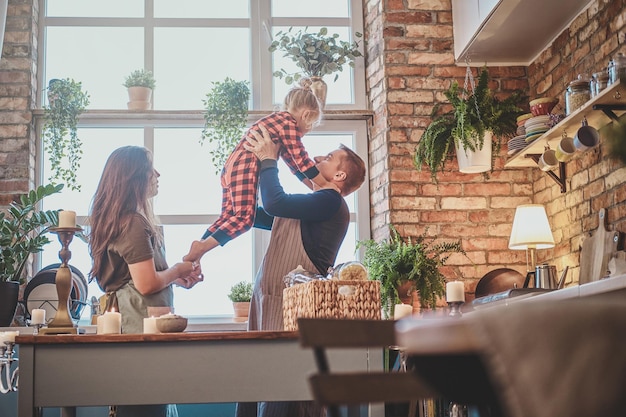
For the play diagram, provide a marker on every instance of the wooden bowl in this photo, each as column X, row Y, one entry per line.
column 173, row 324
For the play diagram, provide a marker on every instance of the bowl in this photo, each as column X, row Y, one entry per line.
column 171, row 324
column 543, row 106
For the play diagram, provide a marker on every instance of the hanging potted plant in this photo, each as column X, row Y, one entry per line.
column 240, row 294
column 140, row 84
column 478, row 121
column 316, row 54
column 225, row 117
column 66, row 102
column 23, row 231
column 412, row 263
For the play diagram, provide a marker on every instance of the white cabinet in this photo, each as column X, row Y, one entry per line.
column 509, row 32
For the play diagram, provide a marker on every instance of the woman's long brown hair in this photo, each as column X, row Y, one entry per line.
column 122, row 191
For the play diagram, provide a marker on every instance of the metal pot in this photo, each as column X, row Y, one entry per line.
column 545, row 277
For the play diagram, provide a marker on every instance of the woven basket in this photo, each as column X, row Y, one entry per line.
column 326, row 299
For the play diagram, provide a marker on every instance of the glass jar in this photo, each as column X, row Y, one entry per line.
column 617, row 68
column 577, row 94
column 599, row 81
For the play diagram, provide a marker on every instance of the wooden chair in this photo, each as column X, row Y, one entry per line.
column 333, row 389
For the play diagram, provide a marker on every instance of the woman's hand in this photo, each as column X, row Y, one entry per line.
column 192, row 276
column 262, row 145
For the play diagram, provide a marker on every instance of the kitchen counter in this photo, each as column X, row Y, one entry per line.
column 193, row 367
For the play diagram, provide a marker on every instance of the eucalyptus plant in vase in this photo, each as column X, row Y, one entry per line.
column 316, row 54
column 66, row 102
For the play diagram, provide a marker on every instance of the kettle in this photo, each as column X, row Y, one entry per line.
column 545, row 277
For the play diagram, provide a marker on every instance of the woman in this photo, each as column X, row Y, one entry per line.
column 126, row 246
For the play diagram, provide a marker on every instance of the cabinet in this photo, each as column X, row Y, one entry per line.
column 509, row 32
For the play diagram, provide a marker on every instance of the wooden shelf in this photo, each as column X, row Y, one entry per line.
column 614, row 95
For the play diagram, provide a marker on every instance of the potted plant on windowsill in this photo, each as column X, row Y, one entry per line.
column 412, row 263
column 478, row 121
column 240, row 294
column 140, row 84
column 23, row 231
column 225, row 117
column 66, row 102
column 316, row 54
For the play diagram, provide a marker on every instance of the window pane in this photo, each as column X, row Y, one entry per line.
column 202, row 9
column 100, row 58
column 190, row 185
column 187, row 60
column 339, row 92
column 318, row 8
column 95, row 8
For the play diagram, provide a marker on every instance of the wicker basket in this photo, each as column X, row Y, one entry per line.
column 331, row 299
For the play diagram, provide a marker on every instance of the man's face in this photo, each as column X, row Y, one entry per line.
column 328, row 165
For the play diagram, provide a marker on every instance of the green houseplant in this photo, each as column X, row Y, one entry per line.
column 140, row 78
column 225, row 117
column 241, row 294
column 399, row 260
column 23, row 229
column 475, row 116
column 140, row 84
column 66, row 102
column 316, row 54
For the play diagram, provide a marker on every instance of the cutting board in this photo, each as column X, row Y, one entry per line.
column 596, row 251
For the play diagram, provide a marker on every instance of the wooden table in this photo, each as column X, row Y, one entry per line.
column 99, row 370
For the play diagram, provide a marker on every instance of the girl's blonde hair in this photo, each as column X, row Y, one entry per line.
column 302, row 97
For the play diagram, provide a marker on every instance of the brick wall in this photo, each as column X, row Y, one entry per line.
column 17, row 87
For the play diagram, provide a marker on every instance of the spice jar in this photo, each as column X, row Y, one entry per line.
column 599, row 81
column 577, row 94
column 617, row 68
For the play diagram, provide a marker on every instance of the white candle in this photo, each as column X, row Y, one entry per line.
column 9, row 337
column 67, row 218
column 111, row 322
column 149, row 325
column 402, row 310
column 100, row 324
column 2, row 338
column 455, row 291
column 38, row 316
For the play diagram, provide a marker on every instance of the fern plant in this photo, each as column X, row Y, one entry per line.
column 23, row 231
column 66, row 102
column 414, row 259
column 472, row 114
column 225, row 117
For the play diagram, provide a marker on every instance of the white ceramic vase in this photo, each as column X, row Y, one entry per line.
column 472, row 162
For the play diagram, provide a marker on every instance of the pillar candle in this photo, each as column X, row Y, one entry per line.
column 100, row 324
column 9, row 337
column 67, row 218
column 111, row 322
column 402, row 310
column 149, row 325
column 38, row 316
column 455, row 291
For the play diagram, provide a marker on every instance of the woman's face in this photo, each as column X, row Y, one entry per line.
column 153, row 183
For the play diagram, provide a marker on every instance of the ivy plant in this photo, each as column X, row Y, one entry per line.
column 66, row 102
column 316, row 54
column 418, row 260
column 225, row 117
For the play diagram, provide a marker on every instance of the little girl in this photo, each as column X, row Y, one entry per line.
column 240, row 175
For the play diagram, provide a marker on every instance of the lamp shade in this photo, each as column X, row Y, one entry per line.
column 531, row 229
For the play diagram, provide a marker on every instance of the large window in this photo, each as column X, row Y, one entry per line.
column 188, row 44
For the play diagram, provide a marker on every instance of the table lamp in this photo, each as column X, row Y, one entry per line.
column 531, row 231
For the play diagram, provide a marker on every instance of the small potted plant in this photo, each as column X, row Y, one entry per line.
column 140, row 84
column 316, row 54
column 23, row 231
column 225, row 118
column 240, row 294
column 66, row 102
column 412, row 263
column 477, row 122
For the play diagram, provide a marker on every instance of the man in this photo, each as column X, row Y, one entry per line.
column 307, row 230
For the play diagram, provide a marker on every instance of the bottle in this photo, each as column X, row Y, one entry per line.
column 577, row 94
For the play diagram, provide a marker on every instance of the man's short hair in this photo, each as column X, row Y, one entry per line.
column 354, row 167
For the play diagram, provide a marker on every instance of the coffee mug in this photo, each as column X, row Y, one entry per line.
column 548, row 160
column 565, row 149
column 586, row 137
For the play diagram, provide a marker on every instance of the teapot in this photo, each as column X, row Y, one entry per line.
column 545, row 277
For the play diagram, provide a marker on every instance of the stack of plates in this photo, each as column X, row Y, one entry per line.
column 536, row 126
column 516, row 144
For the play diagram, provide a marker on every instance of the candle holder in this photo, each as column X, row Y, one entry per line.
column 455, row 308
column 36, row 327
column 8, row 379
column 62, row 322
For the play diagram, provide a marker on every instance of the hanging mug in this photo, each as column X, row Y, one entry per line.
column 586, row 137
column 548, row 160
column 565, row 149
